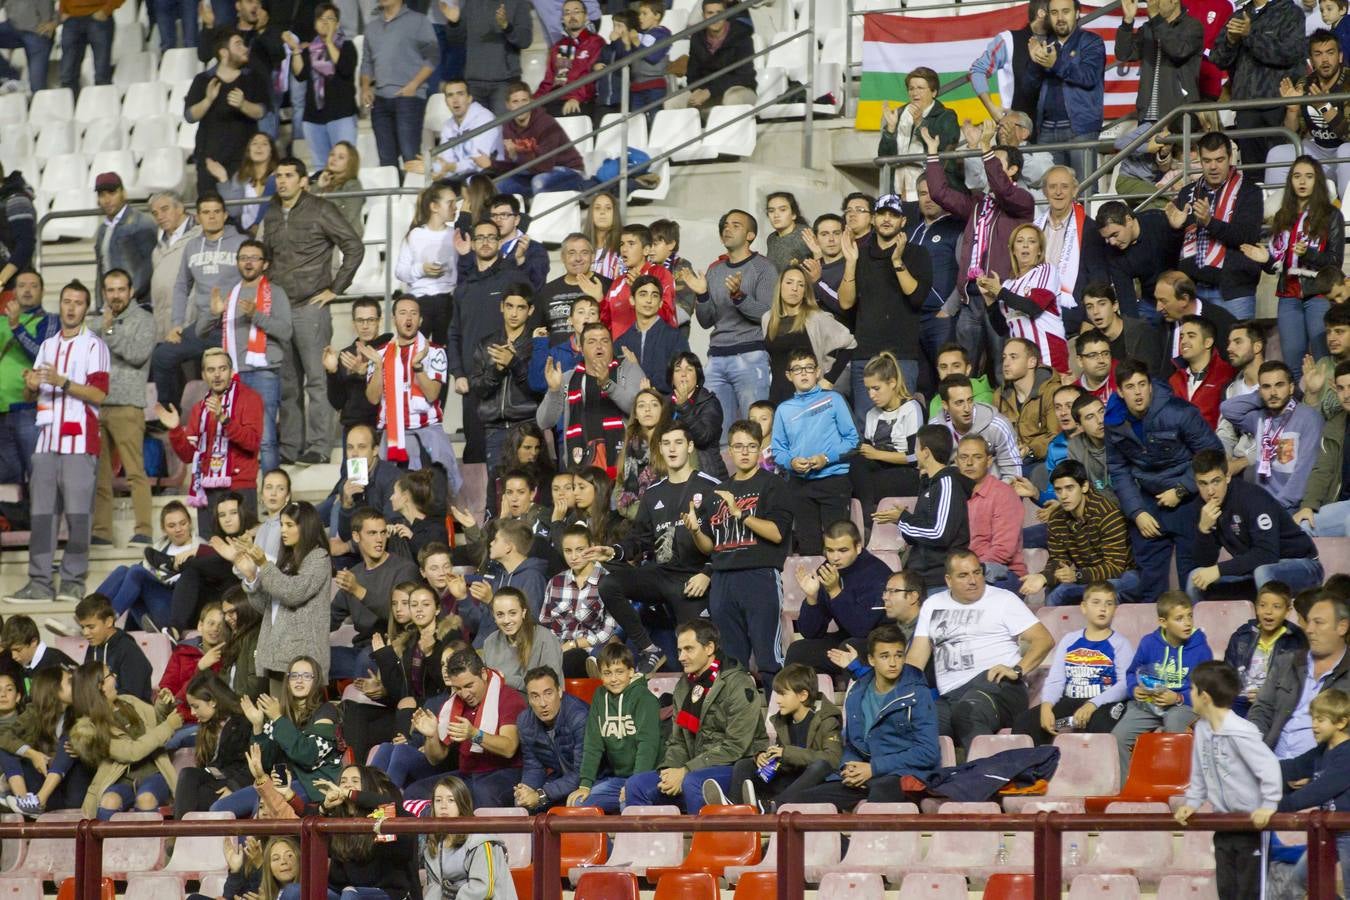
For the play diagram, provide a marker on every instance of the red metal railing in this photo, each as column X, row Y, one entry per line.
column 790, row 829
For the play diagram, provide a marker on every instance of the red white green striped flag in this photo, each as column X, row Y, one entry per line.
column 894, row 45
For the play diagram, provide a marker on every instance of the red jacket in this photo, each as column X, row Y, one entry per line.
column 1209, row 394
column 616, row 307
column 1213, row 15
column 181, row 669
column 243, row 431
column 579, row 54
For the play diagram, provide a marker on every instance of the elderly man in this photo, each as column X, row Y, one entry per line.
column 1014, row 130
column 1072, row 244
column 176, row 226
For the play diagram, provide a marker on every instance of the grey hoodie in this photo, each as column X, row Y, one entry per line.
column 475, row 870
column 995, row 428
column 206, row 264
column 1093, row 458
column 1232, row 768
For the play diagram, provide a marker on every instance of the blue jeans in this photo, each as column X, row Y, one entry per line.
column 1302, row 330
column 18, row 443
column 155, row 785
column 559, row 178
column 403, row 763
column 605, row 795
column 643, row 790
column 1332, row 520
column 1342, row 853
column 351, row 892
column 243, row 803
column 1297, row 573
column 1241, row 308
column 322, row 137
column 1154, row 555
column 909, row 368
column 349, row 662
column 1000, row 576
column 166, row 363
column 495, row 788
column 1127, row 590
column 37, row 51
column 397, row 123
column 452, row 57
column 135, row 590
column 268, row 385
column 77, row 33
column 166, row 14
column 737, row 381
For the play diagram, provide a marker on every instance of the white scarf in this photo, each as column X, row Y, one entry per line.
column 486, row 716
column 1069, row 254
column 400, row 391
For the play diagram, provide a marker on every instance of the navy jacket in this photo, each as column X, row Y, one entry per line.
column 1255, row 530
column 1080, row 66
column 1242, row 647
column 1174, row 431
column 552, row 756
column 858, row 608
column 981, row 780
column 904, row 738
column 654, row 350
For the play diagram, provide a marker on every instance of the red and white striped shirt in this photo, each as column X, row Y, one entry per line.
column 66, row 424
column 1045, row 330
column 419, row 412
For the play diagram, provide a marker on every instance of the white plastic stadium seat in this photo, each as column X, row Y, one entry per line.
column 178, row 92
column 662, row 188
column 886, row 853
column 13, row 109
column 100, row 101
column 161, row 170
column 146, row 98
column 103, row 135
column 608, row 142
column 552, row 227
column 133, row 67
column 179, row 64
column 65, row 172
column 1104, row 887
column 187, row 137
column 578, row 129
column 737, row 139
column 154, row 132
column 918, row 886
column 52, row 105
column 790, row 57
column 673, row 127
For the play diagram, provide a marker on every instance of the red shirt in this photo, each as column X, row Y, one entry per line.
column 1213, row 15
column 569, row 59
column 510, row 705
column 616, row 308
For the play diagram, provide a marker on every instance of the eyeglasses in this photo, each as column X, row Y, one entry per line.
column 801, row 370
column 249, row 258
column 1098, row 354
column 743, row 448
column 886, row 592
column 367, row 320
column 301, row 676
column 486, row 239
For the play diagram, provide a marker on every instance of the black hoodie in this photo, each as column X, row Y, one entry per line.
column 938, row 525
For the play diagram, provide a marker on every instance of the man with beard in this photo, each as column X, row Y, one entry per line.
column 1285, row 435
column 1318, row 378
column 1324, row 126
column 1202, row 375
column 1246, row 353
column 226, row 101
column 592, row 403
column 22, row 330
column 1069, row 71
column 1139, row 246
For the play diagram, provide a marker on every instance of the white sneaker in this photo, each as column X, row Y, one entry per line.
column 713, row 795
column 748, row 794
column 64, row 629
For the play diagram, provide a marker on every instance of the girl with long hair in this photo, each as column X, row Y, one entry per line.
column 146, row 590
column 1027, row 304
column 602, row 226
column 294, row 594
column 477, row 190
column 520, row 643
column 428, row 262
column 697, row 409
column 208, row 574
column 189, row 657
column 362, row 867
column 259, row 871
column 524, row 450
column 223, row 736
column 404, row 761
column 463, row 865
column 787, row 241
column 369, row 722
column 33, row 747
column 412, row 500
column 297, row 733
column 885, row 464
column 123, row 738
column 639, row 465
column 796, row 322
column 255, row 178
column 339, row 179
column 242, row 623
column 1306, row 236
column 586, row 503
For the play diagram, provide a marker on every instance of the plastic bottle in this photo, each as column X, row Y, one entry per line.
column 1002, row 858
column 1065, row 725
column 1073, row 858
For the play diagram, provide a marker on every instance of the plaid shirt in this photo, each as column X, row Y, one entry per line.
column 573, row 611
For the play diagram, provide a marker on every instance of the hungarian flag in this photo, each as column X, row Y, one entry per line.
column 896, row 45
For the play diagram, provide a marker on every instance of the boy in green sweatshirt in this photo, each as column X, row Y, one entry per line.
column 623, row 732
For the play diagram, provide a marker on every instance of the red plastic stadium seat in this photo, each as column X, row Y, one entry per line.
column 1010, row 886
column 688, row 885
column 1159, row 768
column 713, row 851
column 757, row 886
column 583, row 688
column 583, row 849
column 607, row 886
column 107, row 890
column 523, row 879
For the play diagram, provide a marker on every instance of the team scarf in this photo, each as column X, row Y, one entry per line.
column 486, row 716
column 1069, row 254
column 1282, row 248
column 211, row 461
column 1269, row 432
column 602, row 418
column 690, row 716
column 400, row 386
column 255, row 354
column 1197, row 243
column 1046, row 330
column 71, row 357
column 985, row 212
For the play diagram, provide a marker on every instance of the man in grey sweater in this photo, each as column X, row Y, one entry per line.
column 493, row 33
column 732, row 300
column 1284, row 434
column 30, row 24
column 129, row 331
column 401, row 52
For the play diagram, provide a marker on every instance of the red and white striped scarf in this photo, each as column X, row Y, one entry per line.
column 1282, row 247
column 400, row 387
column 980, row 235
column 255, row 354
column 1046, row 331
column 211, row 461
column 1197, row 243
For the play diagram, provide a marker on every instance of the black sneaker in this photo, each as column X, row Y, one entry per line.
column 651, row 660
column 314, row 458
column 158, row 559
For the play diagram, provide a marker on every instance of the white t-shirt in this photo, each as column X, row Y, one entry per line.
column 969, row 638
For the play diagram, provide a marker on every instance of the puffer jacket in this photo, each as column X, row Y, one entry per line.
column 1174, row 431
column 504, row 395
column 1035, row 420
column 702, row 414
column 823, row 737
column 903, row 740
column 552, row 756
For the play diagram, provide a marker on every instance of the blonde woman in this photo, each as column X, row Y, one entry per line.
column 795, row 321
column 1027, row 304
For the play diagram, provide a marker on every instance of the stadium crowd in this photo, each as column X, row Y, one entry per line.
column 952, row 344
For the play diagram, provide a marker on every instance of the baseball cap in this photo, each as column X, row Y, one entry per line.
column 889, row 201
column 107, row 181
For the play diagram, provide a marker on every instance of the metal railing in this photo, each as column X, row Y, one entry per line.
column 790, row 830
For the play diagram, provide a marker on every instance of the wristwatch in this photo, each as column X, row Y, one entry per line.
column 1018, row 669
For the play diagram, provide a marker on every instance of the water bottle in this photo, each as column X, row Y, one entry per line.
column 1002, row 858
column 1065, row 725
column 1073, row 858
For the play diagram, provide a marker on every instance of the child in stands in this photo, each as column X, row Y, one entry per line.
column 463, row 865
column 1328, row 767
column 1252, row 647
column 33, row 749
column 20, row 637
column 223, row 736
column 111, row 645
column 623, row 732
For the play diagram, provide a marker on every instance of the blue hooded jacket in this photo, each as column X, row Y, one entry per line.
column 552, row 756
column 904, row 738
column 811, row 422
column 1141, row 468
column 1080, row 67
column 1176, row 663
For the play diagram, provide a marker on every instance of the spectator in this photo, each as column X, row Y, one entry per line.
column 1027, row 398
column 1323, row 131
column 994, row 513
column 175, row 226
column 465, row 156
column 1263, row 542
column 518, row 643
column 1126, row 338
column 1284, row 436
column 339, row 179
column 695, row 408
column 1246, row 355
column 787, row 244
column 364, row 592
column 972, row 632
column 428, row 262
column 639, row 464
column 938, row 525
column 459, row 864
column 1217, row 215
column 209, row 265
column 602, row 227
column 1073, row 246
column 1086, row 683
column 1202, row 375
column 500, row 376
column 574, row 53
column 962, row 416
column 902, row 130
column 732, row 298
column 583, row 311
column 666, row 252
column 794, row 322
column 1170, row 48
column 884, row 466
column 112, row 646
column 1026, row 305
column 714, row 727
column 852, row 579
column 1149, row 445
column 889, row 282
column 1137, row 246
column 125, row 238
column 221, row 439
column 327, row 66
column 1251, row 781
column 1005, row 58
column 347, row 369
column 1015, row 130
column 69, row 380
column 1086, row 538
column 552, row 737
column 721, row 44
column 1213, row 16
column 22, row 330
column 1330, row 712
column 504, row 212
column 586, row 415
column 931, row 229
column 127, row 331
column 301, row 231
column 401, row 53
column 556, row 304
column 91, row 26
column 857, row 210
column 825, row 265
column 653, row 342
column 616, row 309
column 1323, row 511
column 624, row 738
column 261, row 36
column 31, row 26
column 1281, row 706
column 18, row 219
column 493, row 34
column 531, row 136
column 1068, row 72
column 952, row 359
column 1306, row 236
column 208, row 574
column 1254, row 645
column 573, row 609
column 1176, row 297
column 226, row 101
column 1259, row 51
column 1319, row 380
column 22, row 640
